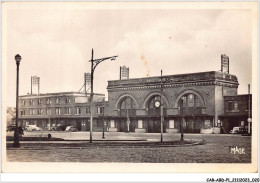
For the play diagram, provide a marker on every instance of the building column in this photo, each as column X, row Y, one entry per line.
column 49, row 124
column 172, row 127
column 215, row 127
column 112, row 126
column 140, row 127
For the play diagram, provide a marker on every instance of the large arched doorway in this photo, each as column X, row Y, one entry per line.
column 127, row 110
column 191, row 109
column 154, row 113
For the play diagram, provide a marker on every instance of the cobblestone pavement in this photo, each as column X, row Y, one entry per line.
column 216, row 150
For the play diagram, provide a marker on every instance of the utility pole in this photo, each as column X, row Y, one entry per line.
column 94, row 64
column 249, row 120
column 181, row 109
column 162, row 117
column 103, row 134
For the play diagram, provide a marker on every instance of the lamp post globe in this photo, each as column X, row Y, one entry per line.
column 18, row 58
column 16, row 143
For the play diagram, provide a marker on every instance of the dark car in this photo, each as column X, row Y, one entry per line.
column 54, row 128
column 238, row 130
column 59, row 127
column 10, row 128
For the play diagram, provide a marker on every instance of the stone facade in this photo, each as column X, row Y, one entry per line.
column 67, row 108
column 130, row 102
column 236, row 112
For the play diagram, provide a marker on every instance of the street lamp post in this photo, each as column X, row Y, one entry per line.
column 16, row 133
column 103, row 134
column 94, row 64
column 162, row 117
column 181, row 108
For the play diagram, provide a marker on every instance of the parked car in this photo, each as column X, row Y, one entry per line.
column 10, row 128
column 54, row 128
column 71, row 129
column 32, row 128
column 238, row 130
column 59, row 127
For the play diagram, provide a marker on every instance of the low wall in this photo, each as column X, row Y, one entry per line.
column 140, row 130
column 113, row 130
column 172, row 130
column 215, row 130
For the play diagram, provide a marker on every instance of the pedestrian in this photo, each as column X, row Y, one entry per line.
column 20, row 130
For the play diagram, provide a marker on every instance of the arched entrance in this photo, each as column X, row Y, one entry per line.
column 127, row 110
column 154, row 113
column 191, row 109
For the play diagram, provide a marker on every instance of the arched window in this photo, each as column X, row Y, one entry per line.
column 127, row 103
column 190, row 104
column 190, row 100
column 155, row 99
column 127, row 107
column 154, row 105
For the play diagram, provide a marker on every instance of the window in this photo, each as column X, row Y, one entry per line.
column 230, row 106
column 78, row 110
column 233, row 106
column 152, row 101
column 197, row 101
column 48, row 101
column 23, row 112
column 39, row 101
column 67, row 100
column 171, row 123
column 87, row 110
column 57, row 101
column 190, row 100
column 31, row 102
column 31, row 112
column 48, row 111
column 67, row 110
column 100, row 109
column 128, row 103
column 57, row 111
column 39, row 112
column 184, row 104
column 23, row 103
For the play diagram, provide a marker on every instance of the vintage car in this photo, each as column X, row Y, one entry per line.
column 238, row 130
column 71, row 129
column 32, row 128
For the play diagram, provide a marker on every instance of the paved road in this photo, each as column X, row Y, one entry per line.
column 216, row 150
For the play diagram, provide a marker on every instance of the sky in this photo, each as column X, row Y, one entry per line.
column 55, row 44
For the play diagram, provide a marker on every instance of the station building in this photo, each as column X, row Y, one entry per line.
column 134, row 104
column 206, row 102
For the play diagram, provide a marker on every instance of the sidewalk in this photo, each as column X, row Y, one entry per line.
column 120, row 136
column 112, row 139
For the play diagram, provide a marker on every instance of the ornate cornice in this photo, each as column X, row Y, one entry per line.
column 174, row 85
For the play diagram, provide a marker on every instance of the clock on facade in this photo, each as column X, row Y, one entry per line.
column 157, row 103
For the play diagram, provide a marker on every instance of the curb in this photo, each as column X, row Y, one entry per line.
column 105, row 145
